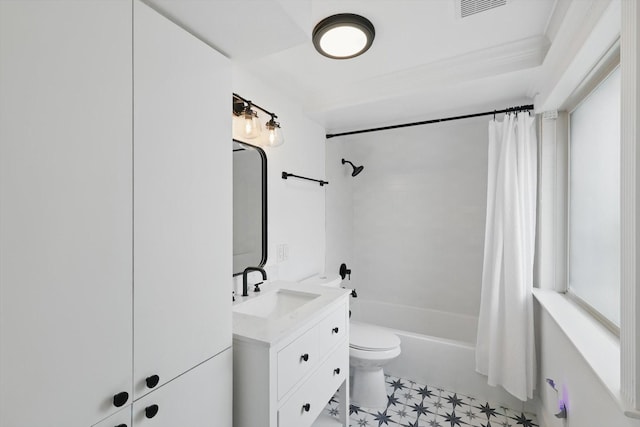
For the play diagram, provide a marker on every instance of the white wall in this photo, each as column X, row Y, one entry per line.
column 588, row 401
column 416, row 214
column 296, row 209
column 339, row 212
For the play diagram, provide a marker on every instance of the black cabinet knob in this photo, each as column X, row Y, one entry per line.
column 151, row 411
column 121, row 425
column 335, row 330
column 120, row 399
column 306, row 407
column 336, row 371
column 305, row 357
column 152, row 381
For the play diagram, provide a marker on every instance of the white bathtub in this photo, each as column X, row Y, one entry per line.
column 438, row 349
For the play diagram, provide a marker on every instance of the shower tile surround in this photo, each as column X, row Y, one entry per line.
column 410, row 404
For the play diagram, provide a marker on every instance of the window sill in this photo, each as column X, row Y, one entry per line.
column 598, row 346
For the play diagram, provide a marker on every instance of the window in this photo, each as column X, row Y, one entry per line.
column 594, row 201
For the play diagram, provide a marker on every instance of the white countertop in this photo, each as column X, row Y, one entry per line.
column 270, row 331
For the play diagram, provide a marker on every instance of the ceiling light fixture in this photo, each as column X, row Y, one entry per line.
column 343, row 36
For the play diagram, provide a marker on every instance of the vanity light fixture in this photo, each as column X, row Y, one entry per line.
column 343, row 36
column 247, row 125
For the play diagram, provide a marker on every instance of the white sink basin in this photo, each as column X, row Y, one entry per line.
column 276, row 304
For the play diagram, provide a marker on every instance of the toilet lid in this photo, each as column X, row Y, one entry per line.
column 369, row 337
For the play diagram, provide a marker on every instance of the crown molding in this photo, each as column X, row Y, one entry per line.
column 509, row 57
column 589, row 29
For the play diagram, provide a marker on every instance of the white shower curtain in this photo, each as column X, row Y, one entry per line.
column 505, row 345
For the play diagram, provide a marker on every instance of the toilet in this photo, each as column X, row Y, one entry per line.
column 370, row 348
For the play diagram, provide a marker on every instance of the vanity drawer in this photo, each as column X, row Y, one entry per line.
column 296, row 359
column 332, row 329
column 337, row 367
column 304, row 406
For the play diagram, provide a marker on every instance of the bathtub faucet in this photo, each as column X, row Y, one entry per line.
column 344, row 271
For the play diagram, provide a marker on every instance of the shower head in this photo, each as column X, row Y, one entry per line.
column 356, row 169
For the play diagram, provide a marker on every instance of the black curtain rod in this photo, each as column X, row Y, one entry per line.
column 427, row 122
column 235, row 95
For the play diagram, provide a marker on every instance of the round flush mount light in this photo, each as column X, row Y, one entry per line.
column 343, row 36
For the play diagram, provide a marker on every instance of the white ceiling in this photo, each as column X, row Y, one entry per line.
column 424, row 61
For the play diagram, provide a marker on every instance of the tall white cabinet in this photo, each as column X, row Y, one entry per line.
column 65, row 210
column 115, row 218
column 182, row 199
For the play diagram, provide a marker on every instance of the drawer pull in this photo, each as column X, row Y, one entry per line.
column 151, row 411
column 306, row 407
column 336, row 371
column 335, row 330
column 121, row 425
column 152, row 381
column 305, row 357
column 120, row 399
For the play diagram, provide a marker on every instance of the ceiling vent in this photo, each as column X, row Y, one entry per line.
column 466, row 8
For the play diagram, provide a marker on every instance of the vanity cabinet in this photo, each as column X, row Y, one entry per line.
column 115, row 216
column 288, row 382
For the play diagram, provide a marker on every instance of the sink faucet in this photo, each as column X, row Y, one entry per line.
column 244, row 279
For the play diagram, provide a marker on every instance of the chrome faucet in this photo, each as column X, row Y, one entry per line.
column 244, row 279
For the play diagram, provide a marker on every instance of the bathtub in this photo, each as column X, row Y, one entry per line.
column 438, row 349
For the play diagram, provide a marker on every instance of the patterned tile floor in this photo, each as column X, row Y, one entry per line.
column 415, row 405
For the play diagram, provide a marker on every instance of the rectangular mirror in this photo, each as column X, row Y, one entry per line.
column 249, row 207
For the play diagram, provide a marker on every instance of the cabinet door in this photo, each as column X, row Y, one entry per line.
column 199, row 398
column 182, row 206
column 119, row 419
column 65, row 210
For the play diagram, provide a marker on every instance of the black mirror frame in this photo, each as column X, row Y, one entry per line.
column 263, row 158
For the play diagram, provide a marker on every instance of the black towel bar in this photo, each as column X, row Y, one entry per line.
column 286, row 175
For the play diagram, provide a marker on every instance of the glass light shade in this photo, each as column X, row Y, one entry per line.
column 238, row 126
column 251, row 127
column 343, row 41
column 274, row 134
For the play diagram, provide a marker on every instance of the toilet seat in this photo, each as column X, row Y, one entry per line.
column 358, row 356
column 364, row 337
